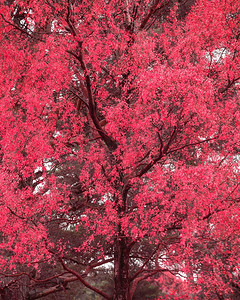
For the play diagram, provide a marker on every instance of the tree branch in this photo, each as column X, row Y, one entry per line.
column 68, row 19
column 150, row 13
column 35, row 280
column 230, row 83
column 112, row 145
column 222, row 209
column 79, row 97
column 144, row 264
column 80, row 278
column 192, row 144
column 15, row 214
column 51, row 290
column 54, row 289
column 137, row 280
column 21, row 29
column 101, row 263
column 162, row 152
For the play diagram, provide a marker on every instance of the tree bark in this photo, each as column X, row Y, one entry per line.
column 121, row 270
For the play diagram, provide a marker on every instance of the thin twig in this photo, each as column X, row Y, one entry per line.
column 21, row 29
column 191, row 144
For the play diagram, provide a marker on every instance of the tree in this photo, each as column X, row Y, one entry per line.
column 119, row 148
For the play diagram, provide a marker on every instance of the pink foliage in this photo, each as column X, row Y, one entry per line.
column 140, row 108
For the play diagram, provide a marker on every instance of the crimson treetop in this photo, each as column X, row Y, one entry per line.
column 119, row 129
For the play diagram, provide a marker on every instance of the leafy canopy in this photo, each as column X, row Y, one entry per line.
column 119, row 134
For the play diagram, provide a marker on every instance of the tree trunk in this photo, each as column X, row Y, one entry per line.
column 121, row 270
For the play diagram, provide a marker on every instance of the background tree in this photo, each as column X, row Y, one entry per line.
column 119, row 148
